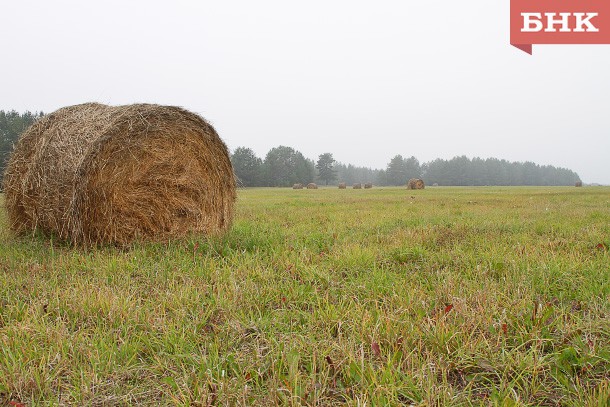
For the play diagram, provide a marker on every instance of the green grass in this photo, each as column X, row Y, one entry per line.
column 446, row 296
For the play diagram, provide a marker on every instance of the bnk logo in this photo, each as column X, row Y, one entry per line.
column 533, row 23
column 559, row 22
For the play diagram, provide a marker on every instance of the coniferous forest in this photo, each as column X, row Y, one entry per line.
column 12, row 124
column 284, row 166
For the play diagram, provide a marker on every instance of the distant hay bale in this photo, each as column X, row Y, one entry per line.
column 435, row 184
column 368, row 185
column 311, row 185
column 342, row 185
column 415, row 183
column 578, row 184
column 357, row 186
column 95, row 174
column 297, row 186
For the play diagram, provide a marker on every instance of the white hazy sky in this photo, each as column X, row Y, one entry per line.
column 363, row 80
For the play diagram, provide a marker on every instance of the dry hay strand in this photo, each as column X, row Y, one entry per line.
column 312, row 185
column 95, row 174
column 342, row 185
column 368, row 185
column 297, row 186
column 357, row 186
column 415, row 183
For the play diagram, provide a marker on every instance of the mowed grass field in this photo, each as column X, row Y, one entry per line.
column 439, row 297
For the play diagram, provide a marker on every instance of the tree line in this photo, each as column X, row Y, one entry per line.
column 284, row 166
column 12, row 124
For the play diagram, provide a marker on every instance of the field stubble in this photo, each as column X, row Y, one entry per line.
column 444, row 296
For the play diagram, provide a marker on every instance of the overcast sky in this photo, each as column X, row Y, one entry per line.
column 363, row 80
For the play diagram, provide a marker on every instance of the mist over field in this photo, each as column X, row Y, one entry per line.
column 363, row 81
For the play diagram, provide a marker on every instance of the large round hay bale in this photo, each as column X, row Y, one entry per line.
column 342, row 185
column 357, row 186
column 297, row 186
column 312, row 185
column 368, row 185
column 415, row 183
column 578, row 184
column 95, row 174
